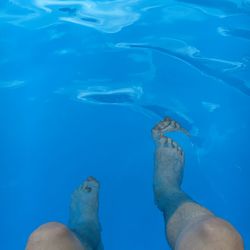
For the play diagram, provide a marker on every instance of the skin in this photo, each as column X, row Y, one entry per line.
column 189, row 226
column 53, row 236
column 83, row 231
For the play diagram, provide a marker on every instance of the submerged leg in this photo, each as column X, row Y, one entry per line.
column 84, row 220
column 85, row 230
column 188, row 225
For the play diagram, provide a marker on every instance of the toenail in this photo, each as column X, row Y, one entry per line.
column 88, row 189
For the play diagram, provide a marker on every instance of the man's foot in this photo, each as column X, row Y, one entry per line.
column 84, row 221
column 167, row 125
column 169, row 161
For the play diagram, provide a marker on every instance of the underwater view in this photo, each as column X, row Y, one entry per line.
column 82, row 83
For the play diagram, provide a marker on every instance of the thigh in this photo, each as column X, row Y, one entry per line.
column 53, row 236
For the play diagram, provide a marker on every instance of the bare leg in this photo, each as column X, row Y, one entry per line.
column 53, row 236
column 189, row 226
column 85, row 230
column 84, row 221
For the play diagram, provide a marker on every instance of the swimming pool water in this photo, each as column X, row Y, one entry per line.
column 81, row 85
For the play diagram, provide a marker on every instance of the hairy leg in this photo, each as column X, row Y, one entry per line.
column 85, row 230
column 184, row 218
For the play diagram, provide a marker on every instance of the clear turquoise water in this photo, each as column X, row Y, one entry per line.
column 81, row 85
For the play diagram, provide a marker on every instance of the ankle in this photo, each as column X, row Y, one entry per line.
column 89, row 234
column 166, row 188
column 165, row 199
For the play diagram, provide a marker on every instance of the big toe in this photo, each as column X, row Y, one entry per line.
column 90, row 185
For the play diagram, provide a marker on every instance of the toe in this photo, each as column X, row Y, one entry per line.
column 92, row 181
column 180, row 151
column 167, row 125
column 91, row 178
column 86, row 187
column 169, row 143
column 90, row 184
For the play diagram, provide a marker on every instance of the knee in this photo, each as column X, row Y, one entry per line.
column 214, row 233
column 51, row 230
column 218, row 229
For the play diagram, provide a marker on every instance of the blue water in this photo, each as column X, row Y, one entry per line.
column 81, row 85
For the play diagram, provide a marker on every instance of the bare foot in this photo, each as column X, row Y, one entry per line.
column 84, row 219
column 167, row 125
column 169, row 160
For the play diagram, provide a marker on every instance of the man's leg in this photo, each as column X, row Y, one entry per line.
column 84, row 232
column 189, row 226
column 53, row 236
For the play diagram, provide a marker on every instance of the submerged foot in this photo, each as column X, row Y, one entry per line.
column 167, row 125
column 169, row 161
column 84, row 221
